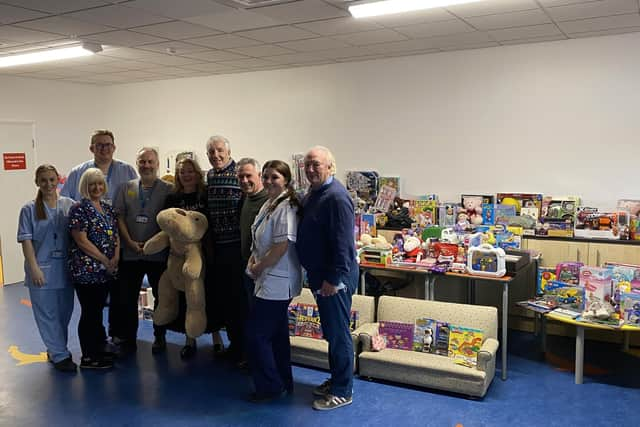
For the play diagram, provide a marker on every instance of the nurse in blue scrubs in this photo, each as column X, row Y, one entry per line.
column 43, row 233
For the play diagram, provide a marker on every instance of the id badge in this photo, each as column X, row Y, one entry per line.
column 142, row 219
column 57, row 254
column 108, row 201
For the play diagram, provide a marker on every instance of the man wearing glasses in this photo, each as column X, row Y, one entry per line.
column 116, row 171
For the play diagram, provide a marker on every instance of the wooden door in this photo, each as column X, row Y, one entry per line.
column 600, row 253
column 556, row 251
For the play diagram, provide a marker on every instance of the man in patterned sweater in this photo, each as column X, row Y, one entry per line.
column 224, row 271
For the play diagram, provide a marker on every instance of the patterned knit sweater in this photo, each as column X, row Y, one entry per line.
column 223, row 202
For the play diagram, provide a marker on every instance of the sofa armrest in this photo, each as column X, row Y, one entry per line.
column 365, row 332
column 487, row 353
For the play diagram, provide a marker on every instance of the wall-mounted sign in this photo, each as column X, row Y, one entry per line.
column 14, row 161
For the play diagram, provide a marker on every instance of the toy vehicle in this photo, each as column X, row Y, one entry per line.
column 561, row 210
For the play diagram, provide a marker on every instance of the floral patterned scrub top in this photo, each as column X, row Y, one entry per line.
column 102, row 231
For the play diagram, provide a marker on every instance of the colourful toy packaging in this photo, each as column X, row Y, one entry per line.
column 560, row 294
column 424, row 210
column 520, row 200
column 308, row 321
column 368, row 225
column 631, row 206
column 464, row 344
column 568, row 272
column 630, row 308
column 559, row 209
column 545, row 275
column 424, row 335
column 447, row 214
column 626, row 273
column 364, row 183
column 596, row 282
column 472, row 206
column 590, row 223
column 442, row 339
column 485, row 260
column 397, row 334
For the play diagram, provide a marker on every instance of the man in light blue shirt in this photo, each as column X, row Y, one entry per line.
column 116, row 171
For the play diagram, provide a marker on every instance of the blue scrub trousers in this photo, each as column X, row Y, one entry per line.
column 268, row 347
column 335, row 312
column 52, row 309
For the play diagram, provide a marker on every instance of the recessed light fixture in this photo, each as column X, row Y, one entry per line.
column 45, row 55
column 387, row 7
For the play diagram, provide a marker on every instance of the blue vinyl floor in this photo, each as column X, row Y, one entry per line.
column 163, row 390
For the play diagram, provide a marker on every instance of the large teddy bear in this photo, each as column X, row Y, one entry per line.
column 181, row 231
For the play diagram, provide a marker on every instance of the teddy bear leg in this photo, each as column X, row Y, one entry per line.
column 167, row 309
column 196, row 316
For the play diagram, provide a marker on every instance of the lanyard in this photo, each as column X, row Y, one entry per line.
column 105, row 219
column 55, row 224
column 141, row 197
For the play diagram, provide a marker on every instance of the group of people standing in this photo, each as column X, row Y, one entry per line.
column 91, row 238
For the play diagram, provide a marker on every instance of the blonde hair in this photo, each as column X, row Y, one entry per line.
column 90, row 176
column 40, row 211
column 179, row 188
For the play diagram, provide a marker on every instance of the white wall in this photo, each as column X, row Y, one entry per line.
column 557, row 118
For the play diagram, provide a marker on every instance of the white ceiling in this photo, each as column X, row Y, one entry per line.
column 165, row 39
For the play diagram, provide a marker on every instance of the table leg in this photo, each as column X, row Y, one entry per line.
column 430, row 287
column 363, row 284
column 543, row 332
column 625, row 342
column 579, row 353
column 505, row 316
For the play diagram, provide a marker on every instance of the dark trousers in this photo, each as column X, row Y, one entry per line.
column 91, row 332
column 269, row 351
column 123, row 310
column 224, row 278
column 249, row 288
column 334, row 317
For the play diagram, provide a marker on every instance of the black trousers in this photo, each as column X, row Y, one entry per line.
column 229, row 297
column 123, row 310
column 91, row 332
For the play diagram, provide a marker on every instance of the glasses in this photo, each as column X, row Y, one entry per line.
column 100, row 146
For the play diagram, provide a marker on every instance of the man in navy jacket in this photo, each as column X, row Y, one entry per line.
column 326, row 250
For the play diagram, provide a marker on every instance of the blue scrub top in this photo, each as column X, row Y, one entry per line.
column 50, row 240
column 119, row 173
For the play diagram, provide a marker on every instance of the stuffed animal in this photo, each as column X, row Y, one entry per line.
column 473, row 208
column 181, row 231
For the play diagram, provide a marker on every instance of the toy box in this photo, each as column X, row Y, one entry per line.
column 485, row 260
column 554, row 229
column 568, row 272
column 447, row 214
column 464, row 344
column 520, row 200
column 559, row 209
column 545, row 275
column 472, row 205
column 592, row 224
column 368, row 225
column 630, row 308
column 385, row 198
column 424, row 210
column 397, row 334
column 364, row 183
column 596, row 282
column 424, row 335
column 631, row 206
column 381, row 257
column 560, row 294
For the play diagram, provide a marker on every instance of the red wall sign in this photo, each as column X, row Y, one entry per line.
column 14, row 161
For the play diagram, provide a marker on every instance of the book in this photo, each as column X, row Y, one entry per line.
column 308, row 321
column 539, row 305
column 564, row 312
column 292, row 316
column 464, row 344
column 397, row 335
column 424, row 335
column 442, row 339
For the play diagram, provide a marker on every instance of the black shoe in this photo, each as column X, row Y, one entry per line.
column 266, row 397
column 188, row 351
column 218, row 349
column 91, row 363
column 66, row 365
column 108, row 356
column 159, row 345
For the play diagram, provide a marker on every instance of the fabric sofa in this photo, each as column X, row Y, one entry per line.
column 425, row 369
column 314, row 352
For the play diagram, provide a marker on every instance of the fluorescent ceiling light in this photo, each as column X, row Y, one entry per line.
column 387, row 7
column 55, row 54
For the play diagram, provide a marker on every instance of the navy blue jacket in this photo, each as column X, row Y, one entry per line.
column 325, row 241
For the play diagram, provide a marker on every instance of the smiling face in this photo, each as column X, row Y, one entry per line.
column 274, row 182
column 102, row 147
column 250, row 179
column 148, row 164
column 188, row 176
column 96, row 190
column 317, row 167
column 218, row 154
column 47, row 182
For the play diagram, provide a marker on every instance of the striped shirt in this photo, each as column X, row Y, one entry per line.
column 223, row 202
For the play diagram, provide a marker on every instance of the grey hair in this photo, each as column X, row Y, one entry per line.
column 91, row 176
column 248, row 161
column 328, row 154
column 148, row 150
column 218, row 138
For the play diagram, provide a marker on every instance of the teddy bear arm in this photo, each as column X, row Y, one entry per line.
column 192, row 262
column 156, row 243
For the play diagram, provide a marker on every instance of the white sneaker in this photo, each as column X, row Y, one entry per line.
column 331, row 402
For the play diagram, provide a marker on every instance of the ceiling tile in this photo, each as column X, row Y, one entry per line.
column 180, row 9
column 132, row 65
column 65, row 26
column 371, row 37
column 593, row 9
column 599, row 24
column 56, row 6
column 224, row 41
column 15, row 35
column 606, row 32
column 278, row 34
column 310, row 45
column 551, row 3
column 418, row 17
column 301, row 11
column 296, row 58
column 247, row 63
column 491, row 7
column 346, row 52
column 209, row 67
column 99, row 68
column 118, row 16
column 508, row 20
column 435, row 29
column 467, row 46
column 534, row 40
column 339, row 26
column 235, row 20
column 124, row 38
column 125, row 53
column 171, row 60
column 176, row 30
column 463, row 41
column 262, row 50
column 173, row 47
column 403, row 46
column 11, row 14
column 215, row 55
column 525, row 32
